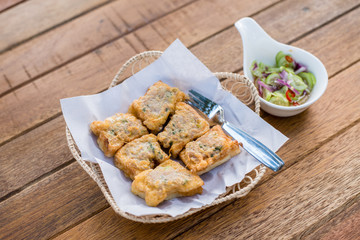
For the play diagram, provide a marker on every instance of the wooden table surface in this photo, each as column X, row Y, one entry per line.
column 63, row 48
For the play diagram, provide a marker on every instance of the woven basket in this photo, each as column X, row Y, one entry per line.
column 237, row 84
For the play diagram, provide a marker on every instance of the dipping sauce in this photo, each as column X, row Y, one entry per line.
column 289, row 83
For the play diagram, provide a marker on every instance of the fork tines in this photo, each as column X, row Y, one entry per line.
column 195, row 95
column 202, row 103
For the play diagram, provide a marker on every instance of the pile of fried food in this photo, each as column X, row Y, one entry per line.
column 162, row 120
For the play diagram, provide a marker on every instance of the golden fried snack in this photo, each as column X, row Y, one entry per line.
column 166, row 181
column 209, row 151
column 185, row 125
column 117, row 130
column 139, row 155
column 156, row 105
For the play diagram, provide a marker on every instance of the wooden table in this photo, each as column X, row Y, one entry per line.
column 64, row 48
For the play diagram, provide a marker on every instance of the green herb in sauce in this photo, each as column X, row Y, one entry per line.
column 289, row 83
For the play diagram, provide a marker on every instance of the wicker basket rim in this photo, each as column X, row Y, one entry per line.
column 93, row 170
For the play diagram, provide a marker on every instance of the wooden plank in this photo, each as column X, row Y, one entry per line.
column 32, row 155
column 54, row 52
column 12, row 178
column 30, row 97
column 42, row 98
column 226, row 47
column 36, row 16
column 71, row 40
column 194, row 23
column 313, row 143
column 306, row 192
column 30, row 171
column 35, row 212
column 5, row 4
column 65, row 76
column 345, row 225
column 108, row 225
column 89, row 228
column 98, row 58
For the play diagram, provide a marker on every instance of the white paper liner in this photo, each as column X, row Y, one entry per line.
column 177, row 67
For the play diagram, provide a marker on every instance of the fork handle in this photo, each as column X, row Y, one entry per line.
column 258, row 150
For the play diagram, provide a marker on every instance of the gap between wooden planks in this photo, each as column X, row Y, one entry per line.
column 344, row 225
column 13, row 181
column 230, row 42
column 344, row 115
column 104, row 63
column 34, row 17
column 268, row 204
column 7, row 4
column 103, row 66
column 49, row 51
column 94, row 224
column 106, row 25
column 295, row 199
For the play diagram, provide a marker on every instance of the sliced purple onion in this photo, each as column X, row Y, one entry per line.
column 299, row 66
column 302, row 96
column 255, row 66
column 301, row 69
column 266, row 74
column 288, row 85
column 260, row 83
column 284, row 75
column 260, row 90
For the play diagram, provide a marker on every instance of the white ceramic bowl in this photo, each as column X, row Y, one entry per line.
column 259, row 46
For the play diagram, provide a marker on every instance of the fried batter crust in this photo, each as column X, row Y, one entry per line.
column 117, row 130
column 139, row 155
column 185, row 125
column 166, row 181
column 156, row 105
column 209, row 151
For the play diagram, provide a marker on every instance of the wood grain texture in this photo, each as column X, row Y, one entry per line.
column 5, row 4
column 110, row 56
column 88, row 75
column 344, row 118
column 20, row 67
column 333, row 107
column 109, row 60
column 345, row 225
column 30, row 174
column 294, row 200
column 32, row 155
column 42, row 197
column 105, row 225
column 80, row 36
column 69, row 194
column 194, row 23
column 300, row 18
column 36, row 16
column 27, row 171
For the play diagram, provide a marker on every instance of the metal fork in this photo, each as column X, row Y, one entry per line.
column 216, row 113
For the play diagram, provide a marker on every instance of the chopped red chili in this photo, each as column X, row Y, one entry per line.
column 289, row 59
column 289, row 97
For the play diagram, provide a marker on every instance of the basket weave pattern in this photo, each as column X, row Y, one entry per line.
column 237, row 84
